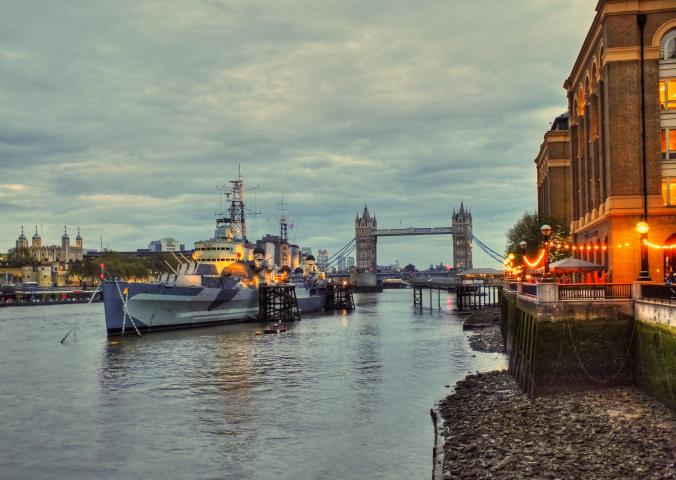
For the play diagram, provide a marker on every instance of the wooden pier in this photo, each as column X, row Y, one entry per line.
column 418, row 295
column 339, row 297
column 467, row 296
column 277, row 303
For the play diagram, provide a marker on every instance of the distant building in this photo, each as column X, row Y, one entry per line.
column 554, row 181
column 305, row 251
column 322, row 258
column 166, row 245
column 349, row 263
column 46, row 265
column 63, row 253
column 341, row 264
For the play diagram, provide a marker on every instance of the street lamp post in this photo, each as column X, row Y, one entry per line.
column 546, row 231
column 644, row 275
column 523, row 244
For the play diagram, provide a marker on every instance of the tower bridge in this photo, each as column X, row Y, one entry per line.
column 367, row 233
column 365, row 242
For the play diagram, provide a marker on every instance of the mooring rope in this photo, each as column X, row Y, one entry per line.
column 125, row 311
column 73, row 329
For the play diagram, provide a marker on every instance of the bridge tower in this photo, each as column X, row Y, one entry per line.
column 462, row 239
column 364, row 231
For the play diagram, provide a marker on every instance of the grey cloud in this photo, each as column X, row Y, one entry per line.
column 123, row 116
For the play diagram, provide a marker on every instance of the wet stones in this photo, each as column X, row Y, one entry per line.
column 493, row 431
column 486, row 336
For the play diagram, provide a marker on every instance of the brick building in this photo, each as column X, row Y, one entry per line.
column 555, row 189
column 606, row 137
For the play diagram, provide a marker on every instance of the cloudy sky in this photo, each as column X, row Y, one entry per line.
column 122, row 117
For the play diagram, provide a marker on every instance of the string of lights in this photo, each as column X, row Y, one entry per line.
column 660, row 247
column 533, row 264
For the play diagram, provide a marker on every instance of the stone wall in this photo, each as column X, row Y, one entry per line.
column 655, row 350
column 568, row 346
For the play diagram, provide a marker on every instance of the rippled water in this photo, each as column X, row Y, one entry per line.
column 337, row 396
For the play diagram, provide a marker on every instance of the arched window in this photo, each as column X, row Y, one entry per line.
column 581, row 101
column 668, row 47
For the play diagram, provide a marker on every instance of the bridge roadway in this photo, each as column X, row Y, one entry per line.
column 436, row 283
column 398, row 232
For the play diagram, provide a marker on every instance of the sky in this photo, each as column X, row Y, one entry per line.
column 122, row 117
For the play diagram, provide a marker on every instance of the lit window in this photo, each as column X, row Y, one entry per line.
column 663, row 93
column 669, row 191
column 672, row 144
column 663, row 143
column 671, row 93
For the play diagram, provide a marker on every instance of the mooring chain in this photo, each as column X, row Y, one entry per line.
column 626, row 357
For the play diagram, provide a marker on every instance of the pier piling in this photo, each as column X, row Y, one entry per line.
column 277, row 303
column 339, row 297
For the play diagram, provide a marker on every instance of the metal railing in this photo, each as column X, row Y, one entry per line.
column 663, row 293
column 595, row 291
column 530, row 289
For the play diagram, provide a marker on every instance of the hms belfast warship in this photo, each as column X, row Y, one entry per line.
column 218, row 284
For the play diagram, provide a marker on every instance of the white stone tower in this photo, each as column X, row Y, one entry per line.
column 65, row 245
column 22, row 241
column 36, row 240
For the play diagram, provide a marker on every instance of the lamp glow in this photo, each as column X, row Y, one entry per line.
column 642, row 228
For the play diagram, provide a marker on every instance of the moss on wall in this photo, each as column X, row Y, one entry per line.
column 577, row 355
column 655, row 361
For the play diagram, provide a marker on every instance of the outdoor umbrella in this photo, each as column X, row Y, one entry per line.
column 573, row 265
column 568, row 265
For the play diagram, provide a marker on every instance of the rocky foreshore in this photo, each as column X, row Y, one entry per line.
column 493, row 431
column 486, row 336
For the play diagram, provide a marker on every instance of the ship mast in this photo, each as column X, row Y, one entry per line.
column 237, row 220
column 283, row 222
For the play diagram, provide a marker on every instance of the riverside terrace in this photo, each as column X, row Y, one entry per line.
column 583, row 336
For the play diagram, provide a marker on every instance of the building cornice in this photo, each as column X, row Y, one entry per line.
column 619, row 206
column 605, row 8
column 629, row 54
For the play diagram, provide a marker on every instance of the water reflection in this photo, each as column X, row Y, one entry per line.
column 337, row 396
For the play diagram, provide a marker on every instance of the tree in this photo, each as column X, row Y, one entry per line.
column 528, row 229
column 410, row 268
column 21, row 257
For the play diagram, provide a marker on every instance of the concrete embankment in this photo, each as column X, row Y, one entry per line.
column 492, row 430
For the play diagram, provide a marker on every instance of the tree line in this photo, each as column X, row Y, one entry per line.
column 116, row 265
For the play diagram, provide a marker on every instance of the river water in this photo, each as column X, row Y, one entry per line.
column 335, row 397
